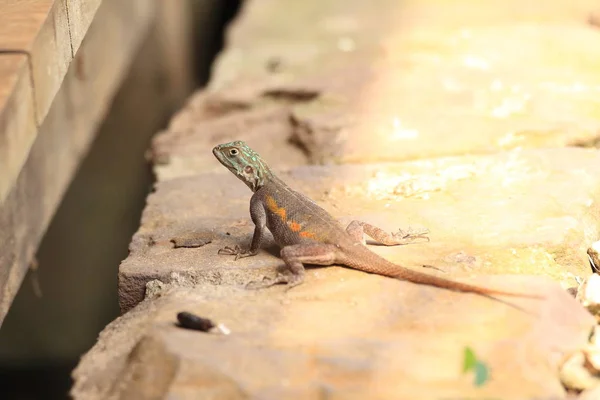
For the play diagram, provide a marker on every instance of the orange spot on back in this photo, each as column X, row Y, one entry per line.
column 272, row 204
column 281, row 213
column 294, row 226
column 273, row 207
column 306, row 234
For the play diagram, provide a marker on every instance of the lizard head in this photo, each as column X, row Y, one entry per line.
column 244, row 163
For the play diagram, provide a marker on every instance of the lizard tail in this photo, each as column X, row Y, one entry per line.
column 380, row 266
column 432, row 280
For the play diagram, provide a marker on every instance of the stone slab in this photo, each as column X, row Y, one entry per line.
column 391, row 83
column 439, row 83
column 349, row 336
column 181, row 150
column 521, row 212
column 342, row 33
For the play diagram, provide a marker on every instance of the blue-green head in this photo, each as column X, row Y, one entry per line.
column 244, row 163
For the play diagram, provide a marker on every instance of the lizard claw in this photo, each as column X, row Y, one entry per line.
column 236, row 251
column 230, row 251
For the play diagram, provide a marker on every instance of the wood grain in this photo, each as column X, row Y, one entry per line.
column 60, row 64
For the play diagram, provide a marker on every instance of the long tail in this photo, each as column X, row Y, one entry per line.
column 368, row 261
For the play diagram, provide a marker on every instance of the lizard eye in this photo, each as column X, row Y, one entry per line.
column 234, row 152
column 248, row 169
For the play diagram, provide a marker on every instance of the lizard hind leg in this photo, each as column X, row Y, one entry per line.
column 295, row 256
column 358, row 229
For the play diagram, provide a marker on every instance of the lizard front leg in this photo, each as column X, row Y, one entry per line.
column 259, row 217
column 357, row 229
column 295, row 256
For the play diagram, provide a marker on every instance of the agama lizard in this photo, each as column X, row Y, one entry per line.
column 307, row 234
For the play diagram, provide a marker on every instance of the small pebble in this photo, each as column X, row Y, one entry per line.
column 192, row 321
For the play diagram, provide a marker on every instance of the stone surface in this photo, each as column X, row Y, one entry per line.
column 341, row 336
column 439, row 91
column 342, row 33
column 182, row 149
column 591, row 394
column 523, row 212
column 388, row 86
column 588, row 294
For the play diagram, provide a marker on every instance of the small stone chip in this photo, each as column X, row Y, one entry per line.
column 191, row 240
column 588, row 294
column 593, row 253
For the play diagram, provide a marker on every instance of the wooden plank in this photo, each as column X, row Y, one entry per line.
column 44, row 169
column 80, row 15
column 51, row 32
column 51, row 55
column 17, row 127
column 21, row 22
column 17, row 121
column 39, row 29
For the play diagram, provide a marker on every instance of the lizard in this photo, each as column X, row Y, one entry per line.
column 308, row 234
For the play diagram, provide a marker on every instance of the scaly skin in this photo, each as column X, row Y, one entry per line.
column 307, row 234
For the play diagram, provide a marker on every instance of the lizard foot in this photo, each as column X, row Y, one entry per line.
column 236, row 251
column 410, row 235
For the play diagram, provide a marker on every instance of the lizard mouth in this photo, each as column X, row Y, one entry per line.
column 217, row 153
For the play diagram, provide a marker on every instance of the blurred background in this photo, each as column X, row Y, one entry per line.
column 62, row 306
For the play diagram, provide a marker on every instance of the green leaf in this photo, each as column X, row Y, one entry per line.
column 470, row 361
column 480, row 370
column 482, row 373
